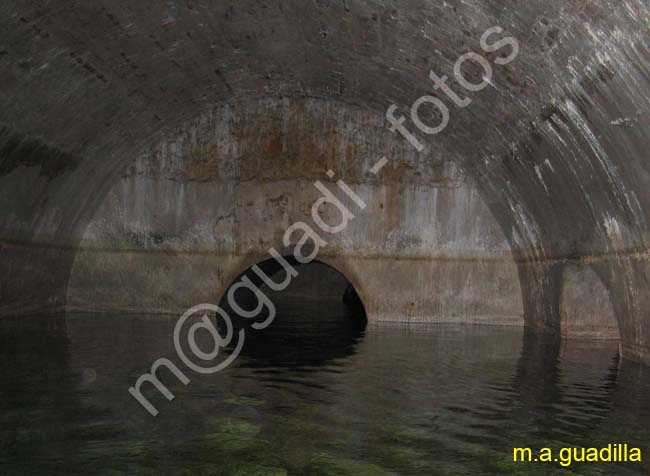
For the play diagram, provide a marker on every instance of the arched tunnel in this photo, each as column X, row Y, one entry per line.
column 151, row 152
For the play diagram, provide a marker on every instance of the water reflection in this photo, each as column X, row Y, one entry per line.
column 311, row 399
column 296, row 340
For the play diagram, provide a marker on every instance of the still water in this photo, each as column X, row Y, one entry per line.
column 312, row 395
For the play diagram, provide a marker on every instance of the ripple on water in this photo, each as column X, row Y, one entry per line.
column 311, row 400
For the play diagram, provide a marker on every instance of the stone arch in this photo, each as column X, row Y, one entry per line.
column 586, row 308
column 557, row 148
column 427, row 247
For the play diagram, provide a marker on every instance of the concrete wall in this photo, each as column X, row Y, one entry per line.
column 586, row 308
column 196, row 210
column 557, row 145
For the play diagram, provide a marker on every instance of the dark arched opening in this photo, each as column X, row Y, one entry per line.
column 318, row 317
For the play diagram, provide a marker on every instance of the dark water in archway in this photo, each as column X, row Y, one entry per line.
column 312, row 398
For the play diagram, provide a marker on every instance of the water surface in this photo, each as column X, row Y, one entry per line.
column 312, row 396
